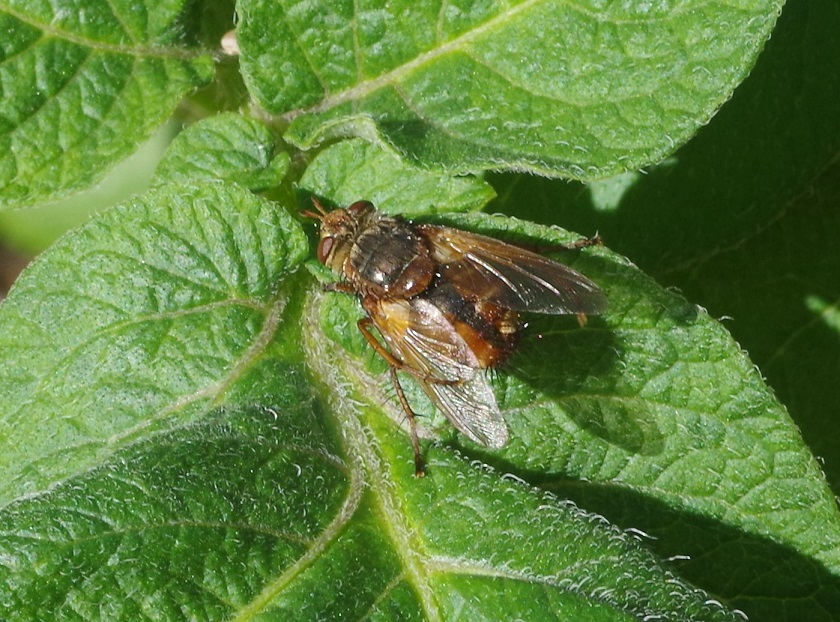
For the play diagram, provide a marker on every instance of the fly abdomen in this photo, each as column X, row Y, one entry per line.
column 490, row 330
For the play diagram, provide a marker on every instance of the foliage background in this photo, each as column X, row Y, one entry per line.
column 200, row 500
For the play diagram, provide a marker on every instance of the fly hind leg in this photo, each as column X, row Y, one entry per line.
column 542, row 249
column 595, row 240
column 395, row 364
column 412, row 422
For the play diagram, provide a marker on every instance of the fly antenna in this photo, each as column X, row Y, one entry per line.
column 318, row 206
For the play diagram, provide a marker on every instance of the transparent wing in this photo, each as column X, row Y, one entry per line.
column 420, row 336
column 513, row 277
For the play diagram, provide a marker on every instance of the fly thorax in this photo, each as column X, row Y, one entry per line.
column 390, row 260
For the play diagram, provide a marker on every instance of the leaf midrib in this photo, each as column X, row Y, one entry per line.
column 368, row 86
column 460, row 42
column 362, row 442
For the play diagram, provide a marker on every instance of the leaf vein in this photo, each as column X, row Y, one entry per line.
column 176, row 53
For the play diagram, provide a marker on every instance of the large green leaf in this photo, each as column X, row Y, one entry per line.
column 156, row 304
column 194, row 430
column 670, row 425
column 83, row 86
column 576, row 90
column 165, row 452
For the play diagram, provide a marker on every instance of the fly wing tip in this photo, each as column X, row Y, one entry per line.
column 493, row 436
column 595, row 304
column 497, row 438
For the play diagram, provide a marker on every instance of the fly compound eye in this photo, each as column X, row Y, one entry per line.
column 325, row 247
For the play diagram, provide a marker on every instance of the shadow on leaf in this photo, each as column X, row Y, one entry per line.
column 766, row 580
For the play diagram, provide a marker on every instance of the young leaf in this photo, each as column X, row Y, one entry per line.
column 83, row 87
column 354, row 169
column 554, row 88
column 226, row 147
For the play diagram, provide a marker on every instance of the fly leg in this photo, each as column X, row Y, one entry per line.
column 595, row 240
column 394, row 365
column 364, row 327
column 412, row 422
column 542, row 249
column 339, row 286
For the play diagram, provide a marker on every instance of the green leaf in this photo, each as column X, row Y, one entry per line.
column 625, row 402
column 571, row 90
column 226, row 147
column 771, row 221
column 353, row 170
column 167, row 456
column 133, row 324
column 248, row 514
column 83, row 86
column 743, row 220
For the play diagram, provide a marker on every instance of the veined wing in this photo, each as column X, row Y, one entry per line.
column 419, row 334
column 513, row 277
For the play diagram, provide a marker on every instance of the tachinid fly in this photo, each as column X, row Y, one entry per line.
column 446, row 303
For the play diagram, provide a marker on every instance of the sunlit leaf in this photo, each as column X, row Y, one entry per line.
column 561, row 89
column 226, row 147
column 83, row 86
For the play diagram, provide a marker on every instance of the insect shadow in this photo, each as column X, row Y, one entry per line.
column 576, row 369
column 594, row 375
